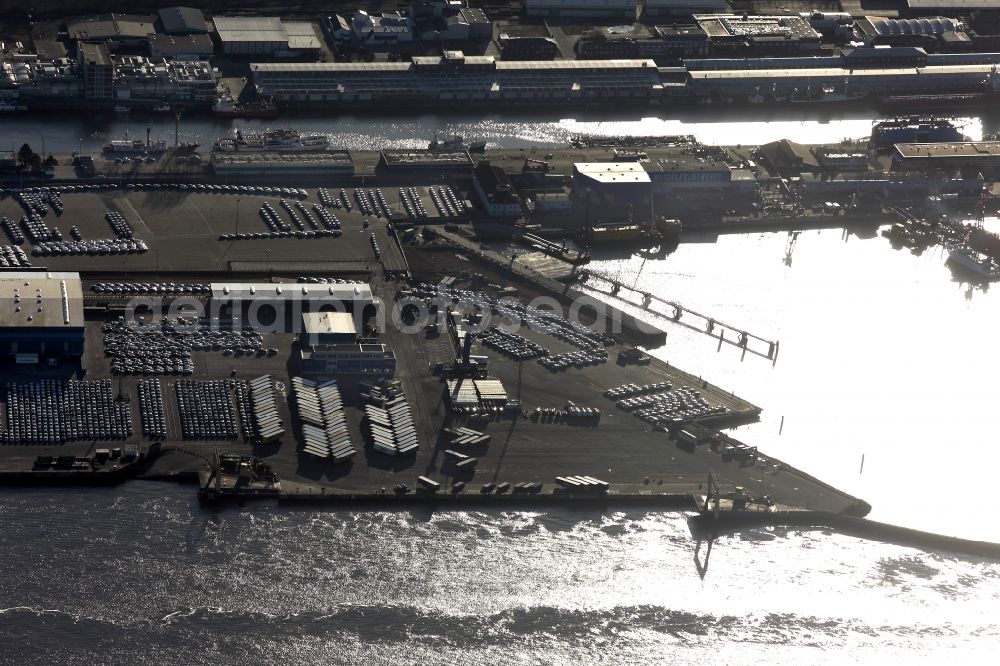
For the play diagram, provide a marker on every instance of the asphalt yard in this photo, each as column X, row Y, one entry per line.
column 182, row 231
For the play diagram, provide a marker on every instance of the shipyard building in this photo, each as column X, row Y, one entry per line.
column 41, row 316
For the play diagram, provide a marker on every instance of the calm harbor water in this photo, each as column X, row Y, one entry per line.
column 508, row 130
column 148, row 576
column 882, row 354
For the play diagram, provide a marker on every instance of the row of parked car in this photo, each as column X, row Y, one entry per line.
column 95, row 247
column 575, row 359
column 151, row 288
column 512, row 345
column 629, row 390
column 56, row 411
column 249, row 190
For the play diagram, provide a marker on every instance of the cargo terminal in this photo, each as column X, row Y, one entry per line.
column 327, row 403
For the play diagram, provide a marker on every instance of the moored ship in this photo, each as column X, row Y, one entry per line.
column 974, row 263
column 226, row 106
column 457, row 142
column 271, row 140
column 986, row 94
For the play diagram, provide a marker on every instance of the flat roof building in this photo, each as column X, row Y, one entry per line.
column 181, row 47
column 113, row 29
column 689, row 172
column 625, row 9
column 329, row 328
column 457, row 77
column 182, row 21
column 302, row 37
column 683, row 7
column 250, row 35
column 495, row 190
column 611, row 183
column 98, row 70
column 346, row 292
column 983, row 155
column 41, row 314
column 348, row 359
column 760, row 33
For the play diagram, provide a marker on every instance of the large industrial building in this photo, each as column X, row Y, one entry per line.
column 657, row 8
column 264, row 35
column 981, row 155
column 280, row 306
column 770, row 34
column 181, row 21
column 455, row 77
column 113, row 30
column 687, row 172
column 618, row 9
column 611, row 183
column 330, row 345
column 495, row 190
column 41, row 316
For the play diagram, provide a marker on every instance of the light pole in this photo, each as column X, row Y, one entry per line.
column 237, row 216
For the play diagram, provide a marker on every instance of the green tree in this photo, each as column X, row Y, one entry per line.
column 50, row 162
column 24, row 155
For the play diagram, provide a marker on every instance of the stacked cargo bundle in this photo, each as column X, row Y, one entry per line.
column 391, row 427
column 462, row 393
column 267, row 423
column 582, row 483
column 467, row 437
column 462, row 462
column 324, row 424
column 491, row 391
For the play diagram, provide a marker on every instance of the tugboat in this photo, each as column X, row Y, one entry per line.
column 227, row 107
column 456, row 142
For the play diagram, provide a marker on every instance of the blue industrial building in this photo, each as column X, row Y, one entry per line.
column 41, row 316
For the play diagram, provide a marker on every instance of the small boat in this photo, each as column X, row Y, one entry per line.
column 974, row 263
column 162, row 108
column 122, row 109
column 11, row 107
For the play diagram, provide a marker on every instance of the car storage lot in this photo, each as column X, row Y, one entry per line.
column 182, row 230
